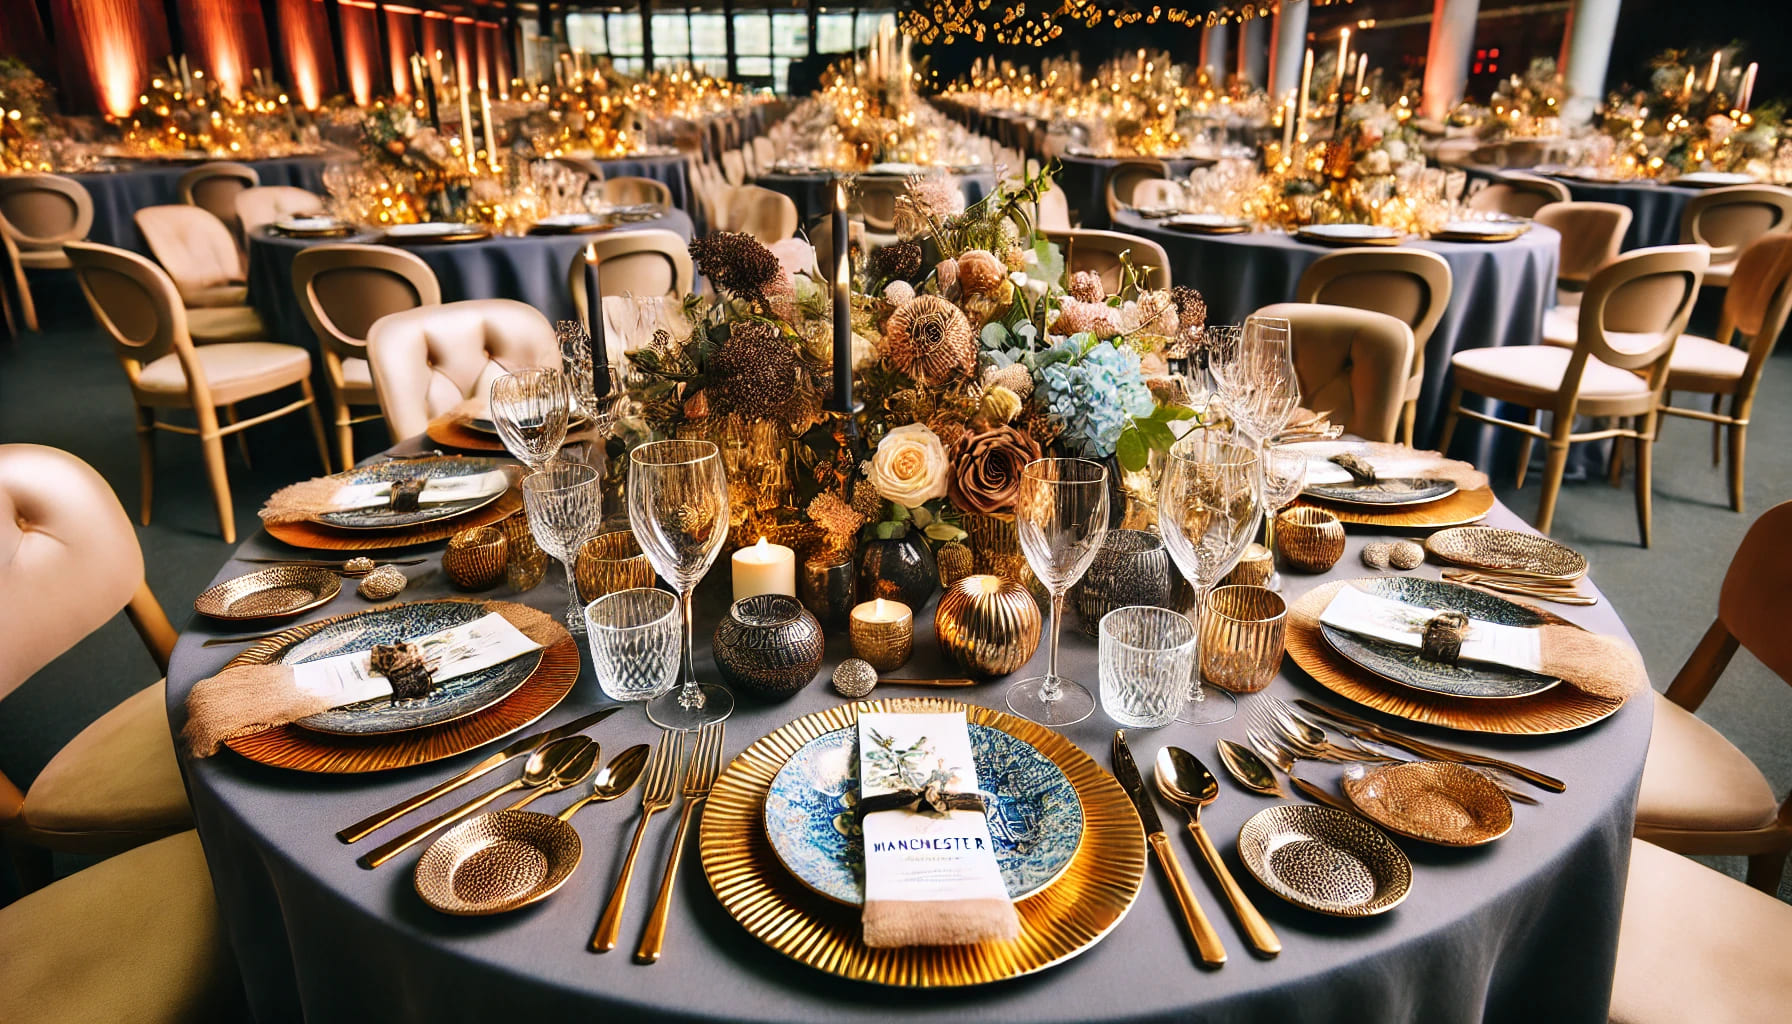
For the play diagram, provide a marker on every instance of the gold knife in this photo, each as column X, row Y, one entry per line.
column 1126, row 770
column 367, row 826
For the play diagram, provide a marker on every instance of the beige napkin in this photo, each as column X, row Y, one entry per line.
column 245, row 699
column 1388, row 459
column 296, row 503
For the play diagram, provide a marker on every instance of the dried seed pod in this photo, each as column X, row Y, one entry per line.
column 382, row 584
column 855, row 678
column 1375, row 554
column 358, row 564
column 1405, row 555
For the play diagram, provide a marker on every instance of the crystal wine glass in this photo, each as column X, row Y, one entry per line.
column 678, row 509
column 1284, row 477
column 1208, row 504
column 1261, row 389
column 529, row 408
column 1061, row 515
column 565, row 506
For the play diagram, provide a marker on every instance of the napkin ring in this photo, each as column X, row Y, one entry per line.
column 406, row 495
column 931, row 799
column 404, row 667
column 1442, row 640
column 1358, row 468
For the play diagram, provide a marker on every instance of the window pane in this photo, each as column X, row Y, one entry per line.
column 625, row 37
column 671, row 36
column 781, row 74
column 628, row 65
column 790, row 34
column 709, row 34
column 749, row 67
column 753, row 37
column 585, row 32
column 716, row 67
column 833, row 33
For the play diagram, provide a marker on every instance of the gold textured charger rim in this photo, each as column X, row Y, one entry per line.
column 449, row 430
column 215, row 601
column 1305, row 234
column 1058, row 922
column 1459, row 509
column 1563, row 708
column 288, row 746
column 326, row 538
column 1448, row 544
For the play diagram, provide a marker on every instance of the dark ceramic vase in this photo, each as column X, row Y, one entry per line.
column 1132, row 567
column 901, row 569
column 768, row 646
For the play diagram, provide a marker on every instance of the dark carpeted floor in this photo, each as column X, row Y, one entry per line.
column 62, row 387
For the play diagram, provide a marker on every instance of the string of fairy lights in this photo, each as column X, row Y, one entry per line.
column 1033, row 22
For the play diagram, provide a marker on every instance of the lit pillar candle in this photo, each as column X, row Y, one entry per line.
column 765, row 568
column 882, row 633
column 466, row 125
column 1711, row 80
column 1343, row 62
column 491, row 138
column 1748, row 88
column 1362, row 71
column 1288, row 128
column 1306, row 86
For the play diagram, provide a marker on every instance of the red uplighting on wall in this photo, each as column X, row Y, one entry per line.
column 305, row 38
column 360, row 47
column 400, row 45
column 105, row 48
column 226, row 38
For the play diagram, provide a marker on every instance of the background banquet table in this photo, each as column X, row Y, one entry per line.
column 812, row 191
column 1498, row 292
column 669, row 169
column 119, row 194
column 1655, row 209
column 1493, row 933
column 1084, row 180
column 530, row 268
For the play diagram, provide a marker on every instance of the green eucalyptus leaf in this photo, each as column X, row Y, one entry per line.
column 943, row 532
column 1132, row 451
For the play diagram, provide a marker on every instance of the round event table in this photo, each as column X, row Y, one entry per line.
column 1084, row 180
column 117, row 195
column 1656, row 209
column 1498, row 290
column 531, row 268
column 669, row 169
column 1520, row 930
column 812, row 191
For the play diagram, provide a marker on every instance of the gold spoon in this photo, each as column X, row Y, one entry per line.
column 617, row 778
column 1248, row 769
column 570, row 773
column 1186, row 781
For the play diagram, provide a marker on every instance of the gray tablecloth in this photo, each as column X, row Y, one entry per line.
column 1522, row 930
column 1655, row 209
column 668, row 169
column 812, row 191
column 529, row 268
column 1084, row 180
column 117, row 195
column 1497, row 297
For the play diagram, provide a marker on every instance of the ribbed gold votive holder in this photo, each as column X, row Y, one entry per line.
column 1254, row 568
column 610, row 562
column 995, row 550
column 1309, row 539
column 475, row 558
column 1243, row 629
column 886, row 643
column 527, row 564
column 988, row 625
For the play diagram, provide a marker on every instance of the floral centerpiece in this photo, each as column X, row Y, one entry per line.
column 1689, row 118
column 186, row 112
column 1526, row 106
column 24, row 125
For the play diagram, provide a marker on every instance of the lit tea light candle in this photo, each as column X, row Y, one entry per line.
column 883, row 633
column 764, row 568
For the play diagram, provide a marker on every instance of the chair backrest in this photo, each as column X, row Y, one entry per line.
column 1410, row 284
column 1634, row 311
column 42, row 211
column 428, row 360
column 1518, row 195
column 194, row 247
column 765, row 151
column 1352, row 361
column 344, row 289
column 1592, row 234
column 592, row 169
column 1157, row 192
column 734, row 167
column 652, row 262
column 1054, row 211
column 214, row 187
column 1123, row 177
column 1100, row 251
column 264, row 204
column 137, row 305
column 1726, row 219
column 877, row 200
column 766, row 215
column 631, row 191
column 1758, row 301
column 69, row 560
column 1755, row 604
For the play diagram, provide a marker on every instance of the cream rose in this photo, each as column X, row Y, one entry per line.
column 909, row 467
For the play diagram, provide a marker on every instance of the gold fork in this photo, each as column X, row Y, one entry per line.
column 656, row 795
column 699, row 778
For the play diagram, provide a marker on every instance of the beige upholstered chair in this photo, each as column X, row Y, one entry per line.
column 343, row 290
column 214, row 187
column 877, row 195
column 1157, row 192
column 1518, row 195
column 1756, row 306
column 1700, row 795
column 766, row 215
column 591, row 168
column 822, row 237
column 1696, row 945
column 198, row 254
column 637, row 263
column 1633, row 312
column 1726, row 219
column 1411, row 284
column 69, row 561
column 430, row 359
column 734, row 167
column 264, row 204
column 765, row 153
column 1124, row 177
column 38, row 213
column 1100, row 251
column 136, row 303
column 136, row 937
column 1054, row 211
column 631, row 191
column 1592, row 234
column 1351, row 361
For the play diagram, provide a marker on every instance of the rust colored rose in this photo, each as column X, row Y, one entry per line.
column 986, row 468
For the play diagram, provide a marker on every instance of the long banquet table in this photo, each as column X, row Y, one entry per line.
column 1522, row 930
column 117, row 195
column 1084, row 180
column 812, row 191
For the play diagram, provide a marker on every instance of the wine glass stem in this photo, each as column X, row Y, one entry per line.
column 691, row 696
column 574, row 611
column 1050, row 691
column 1194, row 616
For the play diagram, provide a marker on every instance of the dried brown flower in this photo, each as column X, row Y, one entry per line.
column 986, row 468
column 1014, row 377
column 867, row 502
column 838, row 520
column 755, row 372
column 947, row 426
column 1086, row 286
column 1191, row 308
column 930, row 340
column 899, row 261
column 735, row 262
column 980, row 272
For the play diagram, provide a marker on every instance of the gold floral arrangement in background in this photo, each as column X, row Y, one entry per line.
column 185, row 112
column 594, row 114
column 1524, row 106
column 1369, row 172
column 24, row 124
column 1693, row 116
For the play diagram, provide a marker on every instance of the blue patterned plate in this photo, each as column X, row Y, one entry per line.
column 1391, row 493
column 1037, row 820
column 382, row 518
column 457, row 698
column 1403, row 664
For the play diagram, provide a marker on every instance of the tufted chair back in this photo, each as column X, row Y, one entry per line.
column 655, row 262
column 428, row 360
column 633, row 191
column 214, row 187
column 42, row 211
column 264, row 204
column 69, row 561
column 1100, row 251
column 194, row 247
column 1350, row 361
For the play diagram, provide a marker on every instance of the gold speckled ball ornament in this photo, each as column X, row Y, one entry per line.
column 382, row 584
column 855, row 678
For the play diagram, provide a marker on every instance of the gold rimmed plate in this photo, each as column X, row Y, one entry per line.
column 1433, row 801
column 1325, row 860
column 1058, row 922
column 393, row 470
column 272, row 593
column 435, row 232
column 1209, row 223
column 1495, row 549
column 1349, row 234
column 572, row 224
column 1481, row 231
column 497, row 862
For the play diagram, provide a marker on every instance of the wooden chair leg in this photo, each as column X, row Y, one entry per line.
column 345, row 434
column 1717, row 431
column 1524, row 450
column 242, row 436
column 12, row 325
column 146, row 459
column 1765, row 870
column 1645, row 459
column 317, row 425
column 1409, row 417
column 220, row 480
column 1738, row 445
column 1615, row 474
column 27, row 307
column 1449, row 428
column 1555, row 464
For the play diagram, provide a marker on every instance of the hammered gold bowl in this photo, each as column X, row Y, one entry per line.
column 610, row 562
column 988, row 625
column 497, row 862
column 476, row 558
column 275, row 592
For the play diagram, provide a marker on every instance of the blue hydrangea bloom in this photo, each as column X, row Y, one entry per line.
column 1091, row 392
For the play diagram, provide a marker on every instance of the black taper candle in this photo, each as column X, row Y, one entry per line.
column 594, row 325
column 842, row 281
column 429, row 97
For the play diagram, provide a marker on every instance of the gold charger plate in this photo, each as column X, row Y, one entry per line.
column 1057, row 923
column 272, row 593
column 1459, row 509
column 287, row 746
column 1512, row 551
column 325, row 538
column 1557, row 709
column 1432, row 801
column 1321, row 237
column 473, row 233
column 452, row 431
